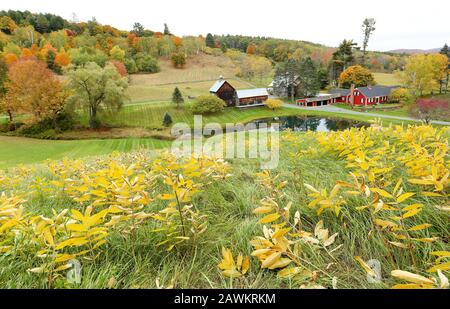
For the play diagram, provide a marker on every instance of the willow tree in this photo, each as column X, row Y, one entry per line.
column 96, row 88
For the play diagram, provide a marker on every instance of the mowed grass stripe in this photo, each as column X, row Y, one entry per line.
column 18, row 150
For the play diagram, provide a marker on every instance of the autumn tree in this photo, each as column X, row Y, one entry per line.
column 177, row 97
column 7, row 25
column 33, row 89
column 356, row 75
column 120, row 67
column 251, row 49
column 368, row 27
column 430, row 109
column 117, row 53
column 62, row 59
column 96, row 88
column 424, row 73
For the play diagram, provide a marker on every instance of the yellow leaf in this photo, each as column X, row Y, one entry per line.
column 404, row 197
column 281, row 263
column 420, row 227
column 245, row 265
column 398, row 244
column 271, row 259
column 262, row 210
column 424, row 193
column 269, row 218
column 381, row 192
column 412, row 286
column 231, row 273
column 288, row 272
column 410, row 277
column 365, row 266
column 443, row 266
column 411, row 213
column 281, row 232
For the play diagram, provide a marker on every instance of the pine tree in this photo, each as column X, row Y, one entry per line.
column 445, row 51
column 166, row 30
column 167, row 120
column 209, row 41
column 177, row 97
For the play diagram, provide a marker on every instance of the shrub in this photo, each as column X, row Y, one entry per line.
column 274, row 104
column 61, row 122
column 178, row 59
column 146, row 63
column 207, row 104
column 167, row 120
column 400, row 95
column 177, row 97
column 130, row 65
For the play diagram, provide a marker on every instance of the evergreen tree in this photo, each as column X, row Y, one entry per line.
column 342, row 58
column 177, row 97
column 167, row 120
column 138, row 29
column 209, row 41
column 166, row 30
column 308, row 79
column 445, row 51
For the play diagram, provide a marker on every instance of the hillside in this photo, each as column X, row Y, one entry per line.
column 414, row 51
column 194, row 79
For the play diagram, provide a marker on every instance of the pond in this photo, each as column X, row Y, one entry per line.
column 312, row 123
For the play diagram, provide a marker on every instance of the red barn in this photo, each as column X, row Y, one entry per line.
column 365, row 95
column 247, row 97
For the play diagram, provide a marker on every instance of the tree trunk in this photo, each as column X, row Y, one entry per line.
column 10, row 115
column 93, row 117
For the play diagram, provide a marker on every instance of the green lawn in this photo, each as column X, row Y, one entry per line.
column 386, row 79
column 19, row 150
column 150, row 115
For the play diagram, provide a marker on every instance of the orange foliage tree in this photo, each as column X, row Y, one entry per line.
column 32, row 89
column 251, row 49
column 62, row 59
column 120, row 67
column 356, row 75
column 10, row 58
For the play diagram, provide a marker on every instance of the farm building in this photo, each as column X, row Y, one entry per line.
column 240, row 98
column 361, row 96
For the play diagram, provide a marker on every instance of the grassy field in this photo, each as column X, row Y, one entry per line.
column 195, row 79
column 20, row 150
column 133, row 259
column 386, row 79
column 150, row 115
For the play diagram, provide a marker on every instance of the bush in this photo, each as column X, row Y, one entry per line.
column 62, row 122
column 146, row 63
column 178, row 59
column 400, row 95
column 130, row 65
column 207, row 104
column 274, row 104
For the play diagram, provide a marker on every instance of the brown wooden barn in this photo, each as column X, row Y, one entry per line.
column 240, row 98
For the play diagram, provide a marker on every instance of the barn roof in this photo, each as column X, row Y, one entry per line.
column 340, row 91
column 376, row 91
column 369, row 92
column 219, row 83
column 249, row 93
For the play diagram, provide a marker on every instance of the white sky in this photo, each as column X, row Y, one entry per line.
column 400, row 23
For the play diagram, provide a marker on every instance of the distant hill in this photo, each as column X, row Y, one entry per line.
column 415, row 51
